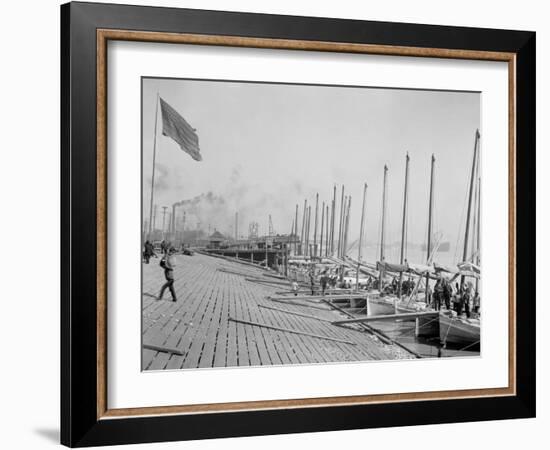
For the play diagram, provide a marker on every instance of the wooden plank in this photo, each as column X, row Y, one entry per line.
column 267, row 282
column 290, row 331
column 315, row 297
column 289, row 302
column 295, row 313
column 161, row 348
column 403, row 316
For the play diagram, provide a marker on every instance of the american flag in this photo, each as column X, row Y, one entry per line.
column 177, row 128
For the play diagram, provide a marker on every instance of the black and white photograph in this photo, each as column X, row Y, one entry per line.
column 308, row 224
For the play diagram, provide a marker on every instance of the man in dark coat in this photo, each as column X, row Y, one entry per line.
column 148, row 252
column 447, row 294
column 168, row 263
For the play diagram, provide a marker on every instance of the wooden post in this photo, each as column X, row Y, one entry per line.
column 361, row 231
column 404, row 223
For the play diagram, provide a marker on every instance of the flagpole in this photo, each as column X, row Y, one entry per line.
column 153, row 175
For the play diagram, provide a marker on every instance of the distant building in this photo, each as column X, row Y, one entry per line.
column 216, row 239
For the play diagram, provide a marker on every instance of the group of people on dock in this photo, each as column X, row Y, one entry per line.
column 462, row 298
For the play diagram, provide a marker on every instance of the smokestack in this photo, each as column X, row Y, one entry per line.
column 237, row 226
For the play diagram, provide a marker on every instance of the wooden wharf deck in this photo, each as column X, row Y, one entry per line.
column 211, row 292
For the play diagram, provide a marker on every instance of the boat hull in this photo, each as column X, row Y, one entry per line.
column 377, row 306
column 425, row 326
column 455, row 331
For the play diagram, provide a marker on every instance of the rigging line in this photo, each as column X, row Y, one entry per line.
column 468, row 346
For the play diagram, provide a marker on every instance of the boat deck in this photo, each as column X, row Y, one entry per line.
column 223, row 318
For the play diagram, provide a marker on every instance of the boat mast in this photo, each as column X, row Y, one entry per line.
column 327, row 235
column 346, row 228
column 322, row 230
column 470, row 195
column 478, row 232
column 429, row 243
column 382, row 234
column 315, row 225
column 295, row 231
column 332, row 217
column 404, row 223
column 303, row 233
column 339, row 251
column 361, row 228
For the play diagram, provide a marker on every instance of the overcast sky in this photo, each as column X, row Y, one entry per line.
column 267, row 147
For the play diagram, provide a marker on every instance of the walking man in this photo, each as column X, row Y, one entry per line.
column 324, row 282
column 312, row 281
column 148, row 251
column 168, row 263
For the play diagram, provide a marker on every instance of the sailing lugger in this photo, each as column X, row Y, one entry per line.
column 404, row 287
